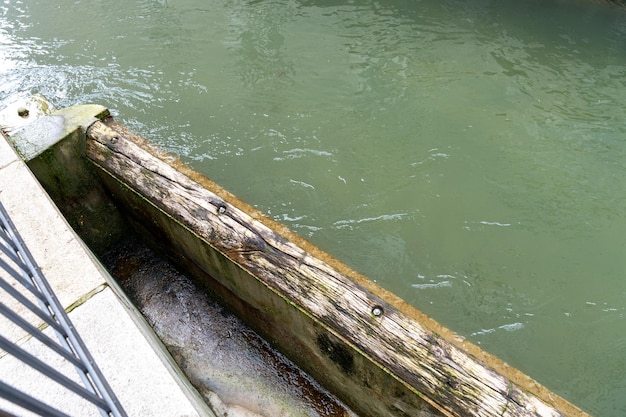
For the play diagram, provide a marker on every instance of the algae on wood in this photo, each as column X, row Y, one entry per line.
column 371, row 343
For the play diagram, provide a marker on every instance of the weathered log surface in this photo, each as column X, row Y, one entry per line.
column 443, row 375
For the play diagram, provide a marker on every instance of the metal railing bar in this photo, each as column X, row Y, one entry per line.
column 7, row 237
column 89, row 381
column 21, row 278
column 94, row 380
column 70, row 339
column 7, row 250
column 39, row 335
column 27, row 402
column 21, row 251
column 31, row 306
column 95, row 384
column 16, row 240
column 50, row 372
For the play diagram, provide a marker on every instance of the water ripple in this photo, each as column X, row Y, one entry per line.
column 384, row 217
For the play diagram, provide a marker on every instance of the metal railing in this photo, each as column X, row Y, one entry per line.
column 27, row 288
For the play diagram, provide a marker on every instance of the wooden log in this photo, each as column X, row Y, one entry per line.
column 367, row 337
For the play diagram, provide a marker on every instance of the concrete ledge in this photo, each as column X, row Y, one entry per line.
column 137, row 368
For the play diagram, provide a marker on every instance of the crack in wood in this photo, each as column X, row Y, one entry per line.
column 450, row 379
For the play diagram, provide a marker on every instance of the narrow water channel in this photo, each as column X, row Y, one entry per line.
column 235, row 371
column 467, row 155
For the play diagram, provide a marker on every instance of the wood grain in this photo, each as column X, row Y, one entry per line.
column 449, row 379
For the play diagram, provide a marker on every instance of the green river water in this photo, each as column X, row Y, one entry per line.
column 470, row 156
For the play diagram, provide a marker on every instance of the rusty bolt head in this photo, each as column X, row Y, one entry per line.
column 23, row 112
